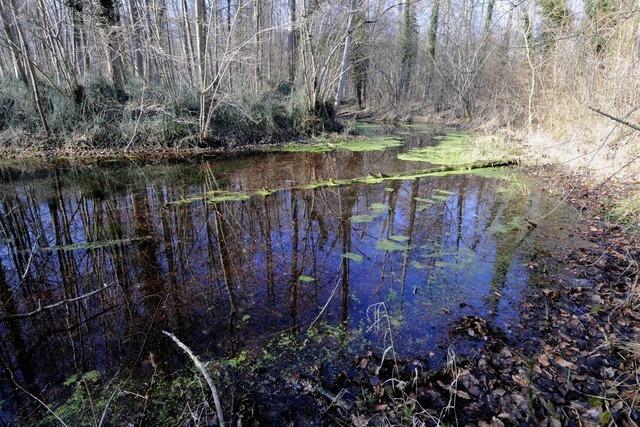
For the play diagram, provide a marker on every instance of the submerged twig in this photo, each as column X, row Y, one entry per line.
column 326, row 304
column 54, row 305
column 203, row 370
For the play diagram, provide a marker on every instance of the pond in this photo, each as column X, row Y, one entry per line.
column 97, row 260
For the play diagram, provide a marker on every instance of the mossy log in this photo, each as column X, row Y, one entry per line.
column 217, row 196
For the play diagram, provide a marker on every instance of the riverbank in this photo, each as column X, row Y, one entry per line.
column 149, row 121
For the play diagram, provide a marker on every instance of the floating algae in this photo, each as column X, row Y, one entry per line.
column 95, row 245
column 351, row 144
column 457, row 149
column 353, row 257
column 378, row 207
column 361, row 219
column 388, row 245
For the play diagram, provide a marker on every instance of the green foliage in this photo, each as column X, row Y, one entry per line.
column 85, row 400
column 556, row 12
column 556, row 18
column 601, row 14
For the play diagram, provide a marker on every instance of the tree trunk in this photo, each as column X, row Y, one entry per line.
column 408, row 34
column 344, row 67
column 110, row 18
column 433, row 40
column 292, row 43
column 80, row 58
column 489, row 17
column 24, row 52
column 201, row 50
column 138, row 60
column 257, row 14
column 14, row 47
column 433, row 30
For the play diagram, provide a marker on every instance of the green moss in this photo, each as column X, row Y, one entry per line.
column 370, row 179
column 440, row 197
column 322, row 184
column 218, row 196
column 488, row 172
column 306, row 279
column 370, row 144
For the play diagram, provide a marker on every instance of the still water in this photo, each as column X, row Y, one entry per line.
column 129, row 249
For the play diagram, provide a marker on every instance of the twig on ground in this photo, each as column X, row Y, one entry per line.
column 203, row 370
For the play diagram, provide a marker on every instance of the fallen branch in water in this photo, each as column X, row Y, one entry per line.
column 40, row 308
column 203, row 370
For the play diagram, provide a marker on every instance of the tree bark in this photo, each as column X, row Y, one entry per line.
column 25, row 53
column 14, row 47
column 138, row 60
column 257, row 15
column 110, row 18
column 292, row 42
column 201, row 50
column 489, row 18
column 344, row 67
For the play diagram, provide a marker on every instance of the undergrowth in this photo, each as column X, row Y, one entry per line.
column 148, row 118
column 626, row 214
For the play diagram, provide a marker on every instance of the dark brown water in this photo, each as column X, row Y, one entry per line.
column 231, row 275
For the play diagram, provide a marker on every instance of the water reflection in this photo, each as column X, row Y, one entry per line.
column 228, row 275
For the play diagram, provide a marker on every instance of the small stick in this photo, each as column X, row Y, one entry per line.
column 203, row 371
